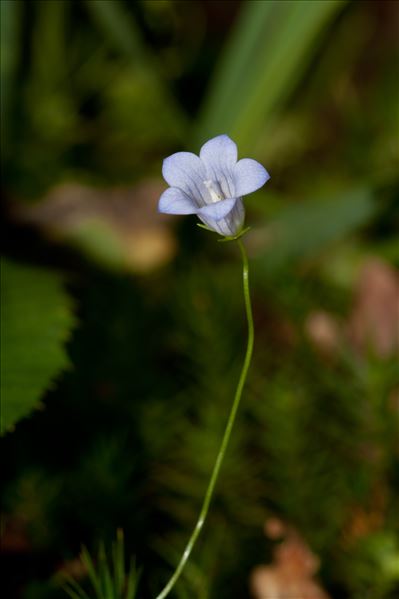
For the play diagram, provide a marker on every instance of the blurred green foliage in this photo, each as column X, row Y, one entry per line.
column 265, row 58
column 94, row 95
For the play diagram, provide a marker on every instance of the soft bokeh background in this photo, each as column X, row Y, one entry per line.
column 124, row 329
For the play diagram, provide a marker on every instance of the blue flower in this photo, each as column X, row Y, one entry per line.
column 211, row 185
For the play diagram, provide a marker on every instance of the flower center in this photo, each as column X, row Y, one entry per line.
column 214, row 190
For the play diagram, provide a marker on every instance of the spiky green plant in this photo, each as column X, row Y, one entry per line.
column 107, row 574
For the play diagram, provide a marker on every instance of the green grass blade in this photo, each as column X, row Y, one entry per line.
column 72, row 594
column 74, row 590
column 133, row 580
column 119, row 27
column 118, row 556
column 104, row 574
column 9, row 56
column 94, row 577
column 269, row 51
column 49, row 46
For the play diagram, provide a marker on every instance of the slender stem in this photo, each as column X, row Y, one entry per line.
column 227, row 433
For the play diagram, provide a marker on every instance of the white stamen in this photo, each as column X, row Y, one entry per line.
column 215, row 196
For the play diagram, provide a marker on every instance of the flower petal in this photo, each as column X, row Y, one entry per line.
column 219, row 152
column 237, row 216
column 187, row 172
column 176, row 201
column 219, row 155
column 217, row 210
column 249, row 176
column 231, row 224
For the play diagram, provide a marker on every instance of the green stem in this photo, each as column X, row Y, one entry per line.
column 227, row 433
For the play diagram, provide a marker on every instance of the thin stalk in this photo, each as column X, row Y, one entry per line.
column 227, row 433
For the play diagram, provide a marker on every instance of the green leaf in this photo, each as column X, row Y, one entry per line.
column 269, row 50
column 36, row 319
